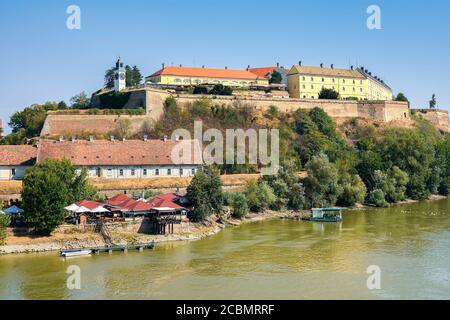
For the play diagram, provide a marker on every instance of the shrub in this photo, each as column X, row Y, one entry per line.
column 378, row 198
column 259, row 195
column 4, row 223
column 239, row 205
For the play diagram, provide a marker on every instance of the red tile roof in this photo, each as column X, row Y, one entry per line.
column 89, row 204
column 263, row 72
column 206, row 73
column 17, row 155
column 106, row 152
column 158, row 202
column 118, row 198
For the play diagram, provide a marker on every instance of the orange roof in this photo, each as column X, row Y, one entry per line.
column 12, row 155
column 116, row 153
column 118, row 198
column 263, row 72
column 89, row 204
column 206, row 73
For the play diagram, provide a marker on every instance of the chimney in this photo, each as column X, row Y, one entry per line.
column 91, row 138
column 165, row 138
column 370, row 73
column 112, row 138
column 163, row 65
column 300, row 63
column 61, row 138
column 226, row 68
column 321, row 65
column 145, row 137
column 181, row 65
column 332, row 66
column 203, row 66
column 278, row 64
column 248, row 67
column 74, row 139
column 351, row 67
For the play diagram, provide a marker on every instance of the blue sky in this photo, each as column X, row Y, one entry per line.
column 41, row 60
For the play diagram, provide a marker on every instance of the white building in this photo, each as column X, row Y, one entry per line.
column 14, row 160
column 119, row 76
column 117, row 159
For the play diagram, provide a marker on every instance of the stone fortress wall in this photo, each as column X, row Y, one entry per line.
column 375, row 110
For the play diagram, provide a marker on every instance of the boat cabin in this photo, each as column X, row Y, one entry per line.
column 326, row 214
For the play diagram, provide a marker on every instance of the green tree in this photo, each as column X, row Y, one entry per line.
column 433, row 102
column 401, row 97
column 239, row 205
column 50, row 186
column 221, row 90
column 378, row 198
column 4, row 223
column 259, row 195
column 276, row 77
column 322, row 187
column 80, row 101
column 205, row 193
column 353, row 191
column 329, row 94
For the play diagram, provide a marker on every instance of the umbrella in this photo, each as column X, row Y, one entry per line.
column 72, row 207
column 13, row 210
column 99, row 210
column 82, row 210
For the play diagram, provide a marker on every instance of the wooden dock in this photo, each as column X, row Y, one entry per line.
column 110, row 249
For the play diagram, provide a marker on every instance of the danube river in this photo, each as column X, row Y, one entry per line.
column 277, row 259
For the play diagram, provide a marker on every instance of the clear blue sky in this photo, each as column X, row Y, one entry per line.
column 41, row 60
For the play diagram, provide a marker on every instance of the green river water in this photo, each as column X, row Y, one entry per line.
column 276, row 259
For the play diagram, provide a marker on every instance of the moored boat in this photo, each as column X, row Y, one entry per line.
column 325, row 215
column 75, row 253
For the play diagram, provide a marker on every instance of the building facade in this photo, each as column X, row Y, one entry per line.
column 197, row 76
column 14, row 160
column 266, row 72
column 305, row 82
column 116, row 159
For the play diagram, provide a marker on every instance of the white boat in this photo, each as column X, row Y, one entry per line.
column 75, row 253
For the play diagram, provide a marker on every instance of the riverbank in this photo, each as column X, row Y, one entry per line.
column 70, row 239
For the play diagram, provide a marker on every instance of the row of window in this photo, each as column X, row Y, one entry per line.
column 145, row 172
column 333, row 80
column 197, row 81
column 334, row 88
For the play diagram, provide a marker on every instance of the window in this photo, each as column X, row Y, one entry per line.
column 343, row 80
column 343, row 88
column 181, row 171
column 354, row 89
column 360, row 81
column 169, row 172
column 323, row 79
column 353, row 81
column 144, row 172
column 177, row 80
column 312, row 79
column 360, row 89
column 312, row 86
column 333, row 80
column 304, row 97
column 133, row 172
column 13, row 171
column 304, row 79
column 304, row 86
column 193, row 171
column 121, row 172
column 156, row 172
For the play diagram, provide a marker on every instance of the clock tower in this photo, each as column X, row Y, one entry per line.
column 119, row 76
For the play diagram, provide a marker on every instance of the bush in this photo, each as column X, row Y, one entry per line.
column 200, row 90
column 259, row 195
column 353, row 192
column 5, row 220
column 329, row 94
column 378, row 198
column 239, row 205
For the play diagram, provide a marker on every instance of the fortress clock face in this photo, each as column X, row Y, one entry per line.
column 122, row 76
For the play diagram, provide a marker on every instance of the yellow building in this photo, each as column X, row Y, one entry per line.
column 197, row 76
column 307, row 82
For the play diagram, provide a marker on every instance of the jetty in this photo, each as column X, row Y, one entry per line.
column 109, row 249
